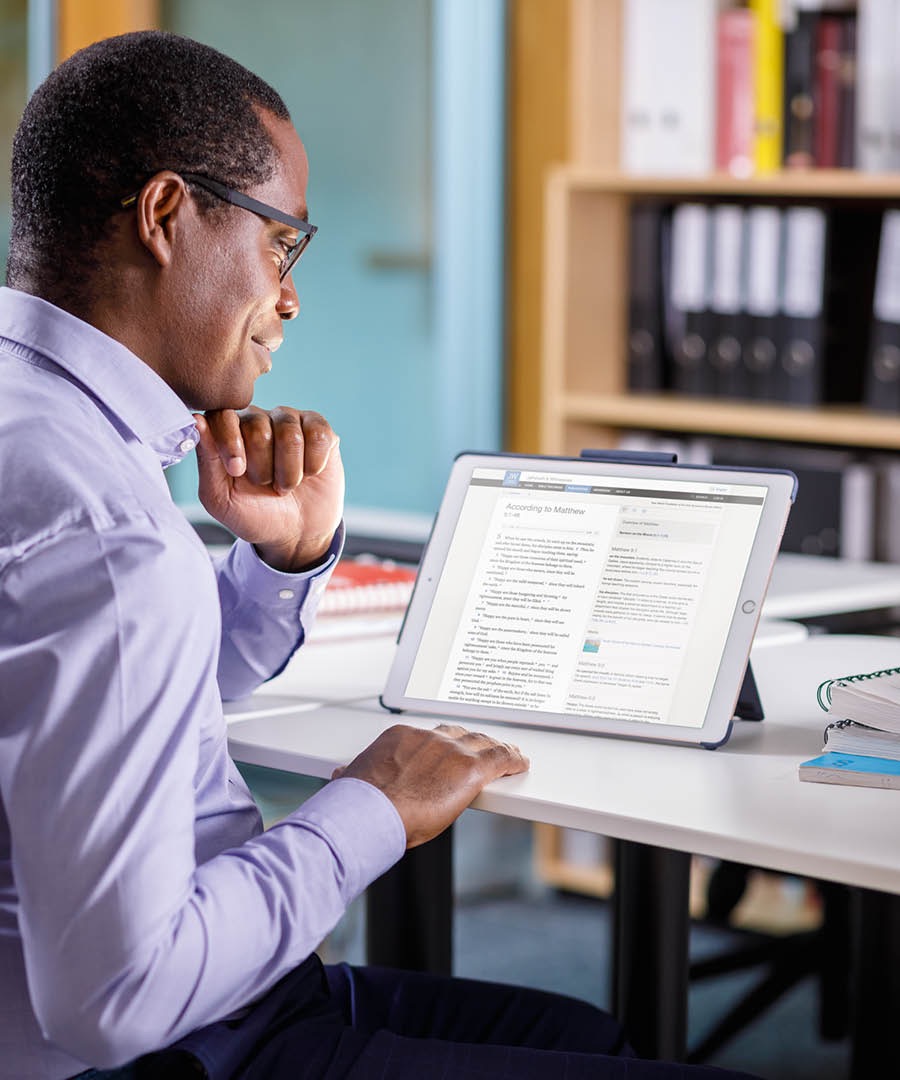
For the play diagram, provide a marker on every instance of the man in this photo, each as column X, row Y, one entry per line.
column 159, row 208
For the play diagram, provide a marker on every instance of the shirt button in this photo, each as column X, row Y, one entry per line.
column 285, row 594
column 186, row 446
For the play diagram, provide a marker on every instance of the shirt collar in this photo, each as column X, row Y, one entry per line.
column 130, row 389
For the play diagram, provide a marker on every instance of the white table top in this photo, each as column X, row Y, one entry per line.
column 771, row 632
column 805, row 586
column 323, row 671
column 743, row 801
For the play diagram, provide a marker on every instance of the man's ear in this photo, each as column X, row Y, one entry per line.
column 160, row 205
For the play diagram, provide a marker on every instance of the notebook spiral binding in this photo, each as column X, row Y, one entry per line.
column 823, row 694
column 839, row 725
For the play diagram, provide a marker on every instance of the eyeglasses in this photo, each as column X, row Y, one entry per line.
column 245, row 202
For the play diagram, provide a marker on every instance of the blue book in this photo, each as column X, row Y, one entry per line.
column 857, row 769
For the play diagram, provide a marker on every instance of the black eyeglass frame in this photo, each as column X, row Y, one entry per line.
column 247, row 202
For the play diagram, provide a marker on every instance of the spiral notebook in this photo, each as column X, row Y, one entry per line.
column 871, row 698
column 861, row 744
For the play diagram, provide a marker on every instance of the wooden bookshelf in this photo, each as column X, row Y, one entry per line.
column 580, row 397
column 794, row 184
column 839, row 425
column 554, row 866
column 584, row 398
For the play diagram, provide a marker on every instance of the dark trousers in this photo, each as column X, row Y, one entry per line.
column 356, row 1023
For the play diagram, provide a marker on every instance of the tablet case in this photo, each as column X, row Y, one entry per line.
column 749, row 703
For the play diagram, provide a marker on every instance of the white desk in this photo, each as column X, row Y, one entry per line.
column 775, row 632
column 323, row 671
column 742, row 802
column 806, row 586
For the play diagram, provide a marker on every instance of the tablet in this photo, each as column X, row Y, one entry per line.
column 591, row 595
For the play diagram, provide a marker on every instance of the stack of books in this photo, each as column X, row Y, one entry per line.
column 862, row 741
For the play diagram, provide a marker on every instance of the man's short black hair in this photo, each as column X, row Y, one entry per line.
column 103, row 123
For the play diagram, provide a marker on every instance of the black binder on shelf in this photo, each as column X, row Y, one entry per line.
column 799, row 375
column 687, row 313
column 849, row 287
column 882, row 370
column 646, row 347
column 810, row 278
column 799, row 87
column 762, row 326
column 727, row 302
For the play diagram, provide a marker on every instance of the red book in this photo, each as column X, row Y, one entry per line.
column 827, row 92
column 367, row 585
column 847, row 82
column 734, row 91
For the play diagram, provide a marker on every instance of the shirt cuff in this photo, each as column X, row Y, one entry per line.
column 274, row 588
column 361, row 824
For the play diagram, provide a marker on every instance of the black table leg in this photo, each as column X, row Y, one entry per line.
column 409, row 910
column 876, row 1050
column 651, row 932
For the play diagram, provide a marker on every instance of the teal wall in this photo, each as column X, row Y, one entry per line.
column 400, row 105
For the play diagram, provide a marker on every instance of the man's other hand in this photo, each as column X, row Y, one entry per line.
column 431, row 776
column 274, row 479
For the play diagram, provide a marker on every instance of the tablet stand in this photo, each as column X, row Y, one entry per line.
column 749, row 705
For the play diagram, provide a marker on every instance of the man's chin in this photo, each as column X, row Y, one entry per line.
column 223, row 403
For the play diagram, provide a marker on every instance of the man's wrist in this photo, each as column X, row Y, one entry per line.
column 295, row 558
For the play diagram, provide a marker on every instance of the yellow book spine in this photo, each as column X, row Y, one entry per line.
column 768, row 85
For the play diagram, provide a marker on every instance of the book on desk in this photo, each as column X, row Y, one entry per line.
column 366, row 596
column 367, row 584
column 862, row 741
column 858, row 770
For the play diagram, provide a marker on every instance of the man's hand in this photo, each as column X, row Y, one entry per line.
column 273, row 478
column 431, row 776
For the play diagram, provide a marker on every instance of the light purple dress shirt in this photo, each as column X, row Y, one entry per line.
column 139, row 897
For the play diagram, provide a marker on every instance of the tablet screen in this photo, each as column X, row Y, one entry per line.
column 586, row 594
